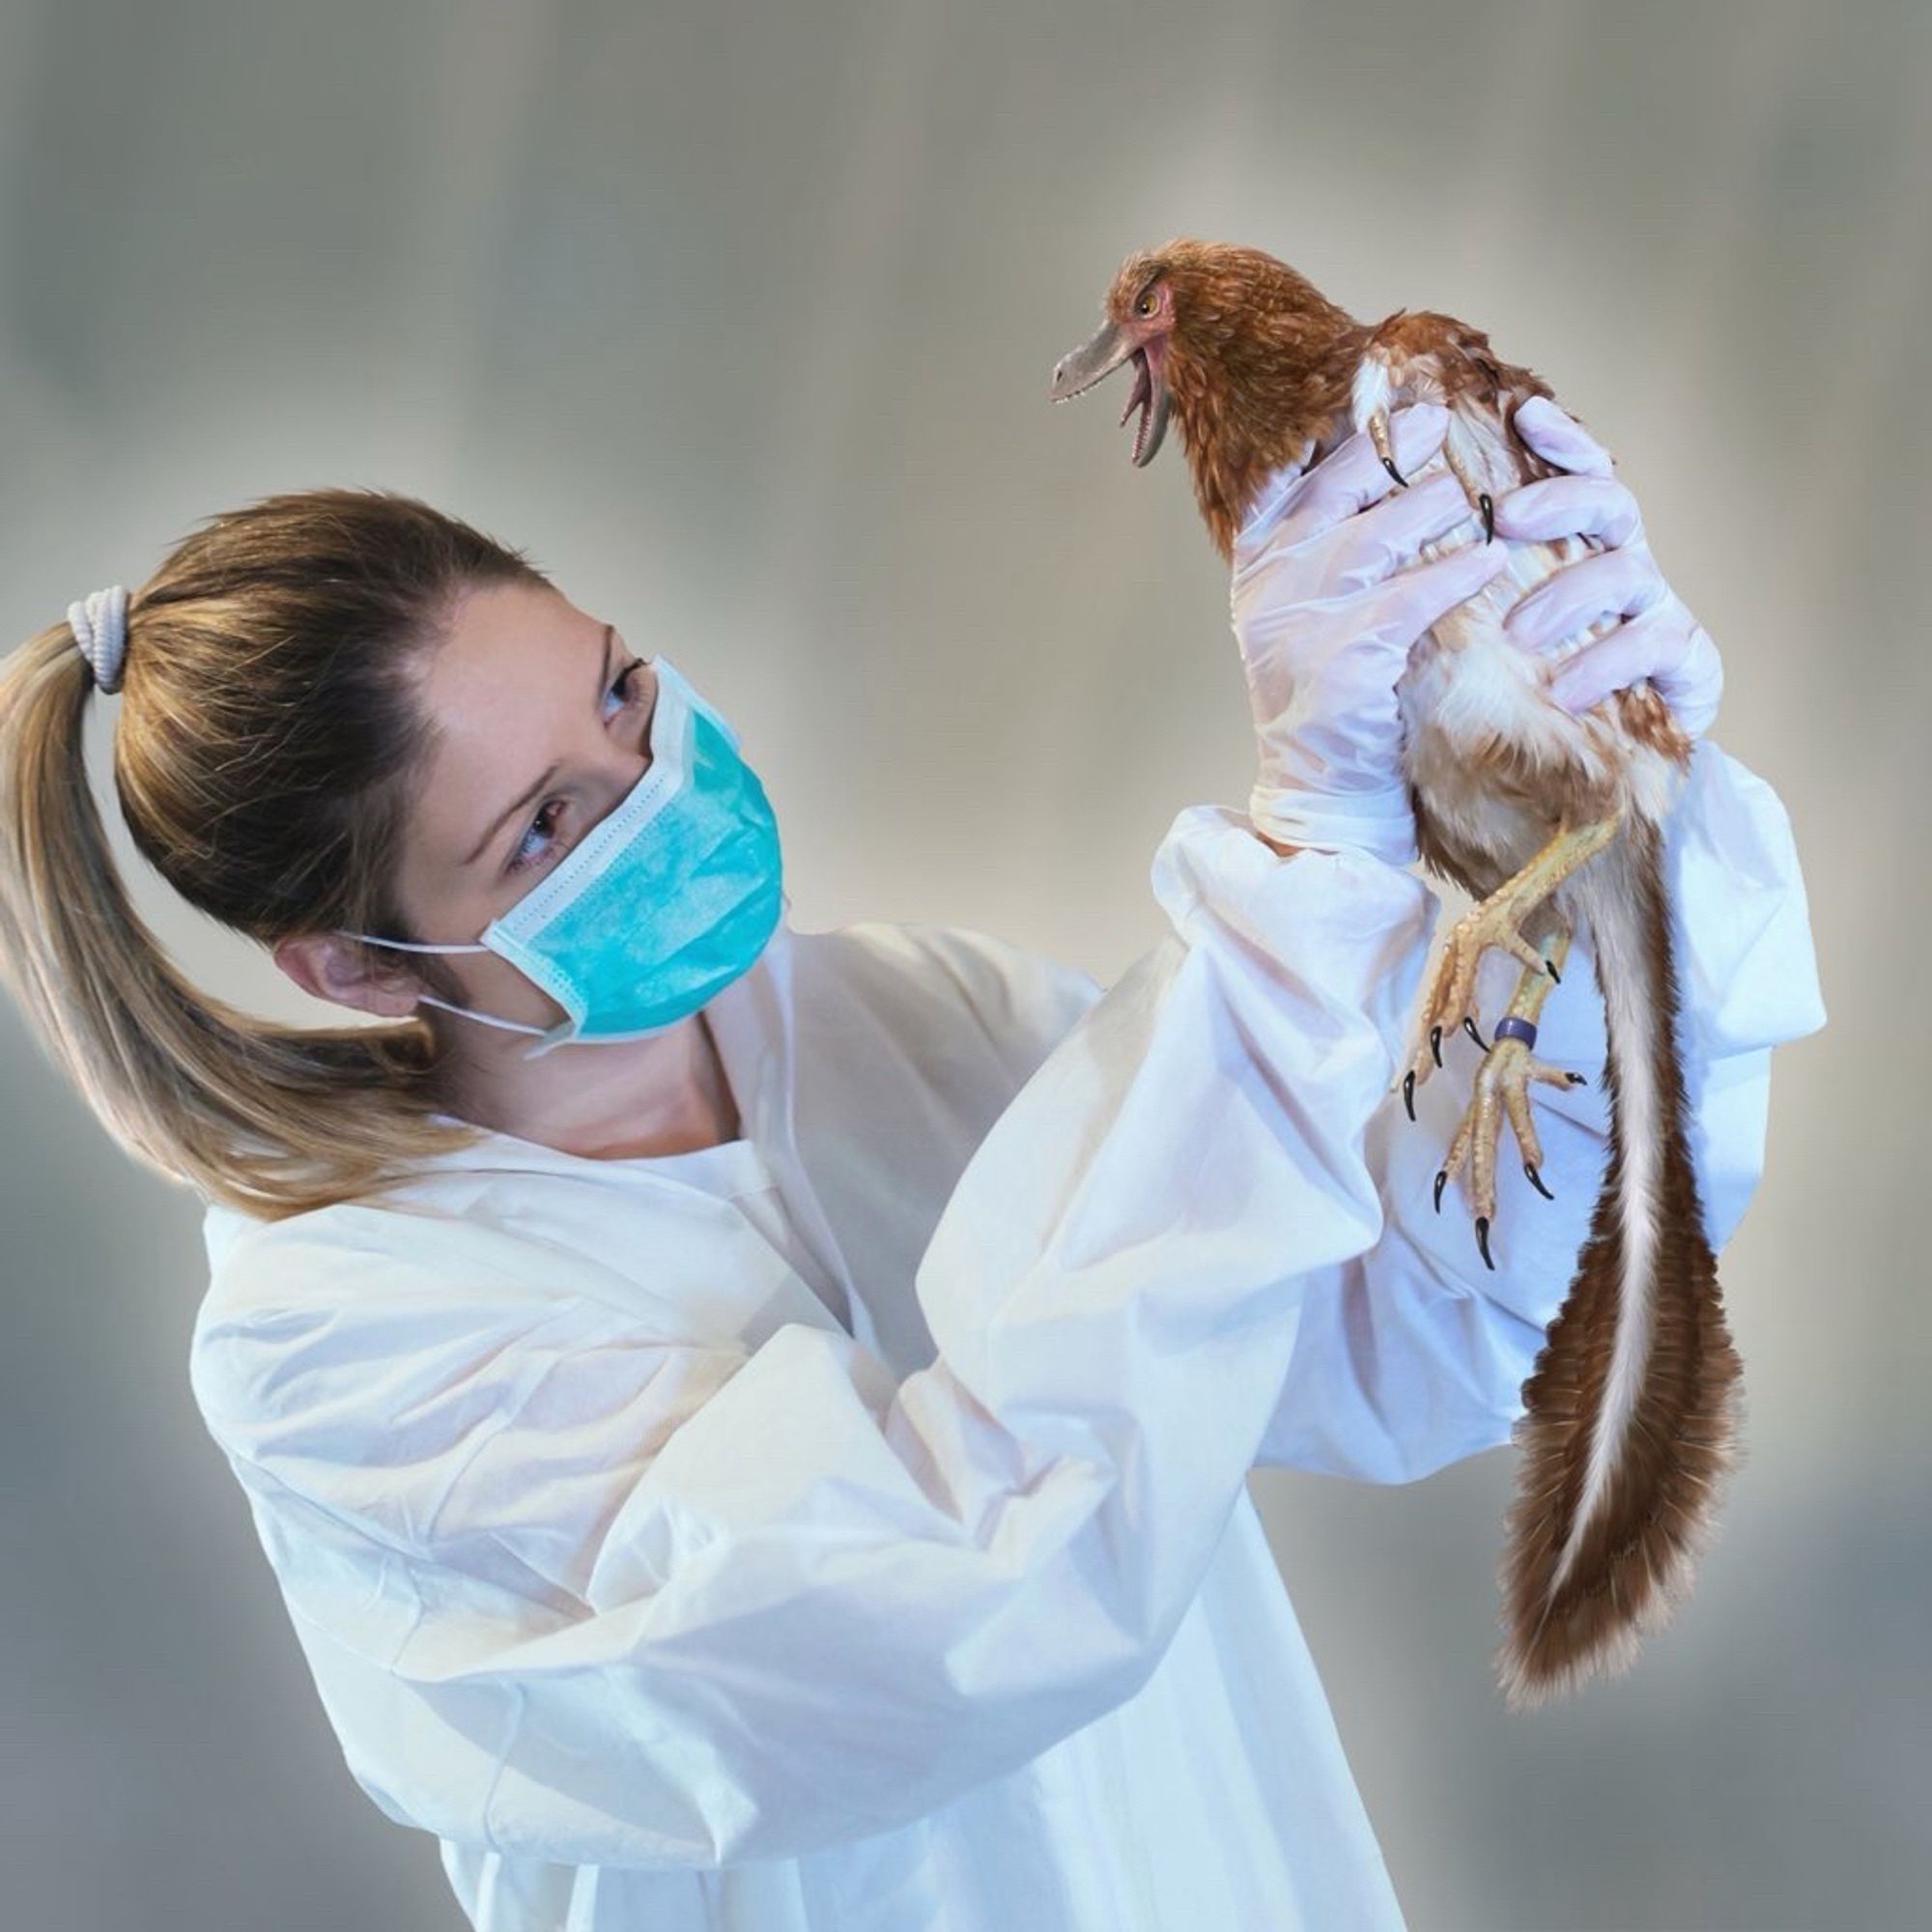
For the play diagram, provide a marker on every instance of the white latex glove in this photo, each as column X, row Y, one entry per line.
column 1327, row 600
column 1659, row 638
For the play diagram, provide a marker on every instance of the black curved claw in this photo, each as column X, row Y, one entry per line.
column 1536, row 1182
column 1554, row 973
column 1441, row 1176
column 1483, row 1240
column 1576, row 1080
column 1435, row 1043
column 1469, row 1027
column 1388, row 464
column 1408, row 1091
column 1488, row 517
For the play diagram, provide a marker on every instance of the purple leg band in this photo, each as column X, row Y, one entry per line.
column 1510, row 1027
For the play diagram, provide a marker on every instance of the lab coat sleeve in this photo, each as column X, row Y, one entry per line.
column 1027, row 1001
column 1412, row 1355
column 576, row 1586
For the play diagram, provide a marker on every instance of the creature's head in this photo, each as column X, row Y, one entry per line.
column 1140, row 321
column 1249, row 356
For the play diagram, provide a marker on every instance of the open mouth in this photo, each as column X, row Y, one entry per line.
column 1140, row 397
column 1083, row 366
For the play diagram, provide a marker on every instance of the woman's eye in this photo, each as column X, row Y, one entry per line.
column 624, row 690
column 526, row 853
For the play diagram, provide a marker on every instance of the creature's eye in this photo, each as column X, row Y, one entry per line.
column 1145, row 305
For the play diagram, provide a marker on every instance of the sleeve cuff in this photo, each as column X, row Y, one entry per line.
column 1381, row 823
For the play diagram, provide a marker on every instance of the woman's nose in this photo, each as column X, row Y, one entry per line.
column 624, row 758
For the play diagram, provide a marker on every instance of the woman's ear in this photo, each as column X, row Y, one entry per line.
column 347, row 973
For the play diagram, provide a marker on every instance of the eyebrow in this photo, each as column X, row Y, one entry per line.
column 517, row 804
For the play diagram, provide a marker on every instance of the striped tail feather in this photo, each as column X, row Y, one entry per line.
column 1632, row 1409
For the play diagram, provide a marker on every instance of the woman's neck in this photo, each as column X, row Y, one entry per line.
column 662, row 1095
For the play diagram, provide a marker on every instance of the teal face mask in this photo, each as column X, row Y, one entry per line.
column 665, row 901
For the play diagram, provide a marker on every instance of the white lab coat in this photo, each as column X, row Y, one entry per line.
column 846, row 1527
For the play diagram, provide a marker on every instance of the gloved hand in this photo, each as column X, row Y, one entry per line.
column 1326, row 601
column 1659, row 638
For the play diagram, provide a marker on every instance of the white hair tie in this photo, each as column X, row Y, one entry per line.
column 99, row 625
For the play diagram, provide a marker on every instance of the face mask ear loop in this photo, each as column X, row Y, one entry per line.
column 556, row 1036
column 416, row 945
column 430, row 999
column 546, row 1037
column 470, row 1013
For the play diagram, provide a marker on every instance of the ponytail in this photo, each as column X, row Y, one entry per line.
column 309, row 606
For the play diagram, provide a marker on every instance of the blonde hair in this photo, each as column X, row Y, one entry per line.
column 266, row 745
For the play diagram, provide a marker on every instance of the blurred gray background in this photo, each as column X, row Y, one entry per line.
column 740, row 317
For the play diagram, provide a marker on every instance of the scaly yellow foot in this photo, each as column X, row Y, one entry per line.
column 1502, row 1088
column 1496, row 921
column 1385, row 444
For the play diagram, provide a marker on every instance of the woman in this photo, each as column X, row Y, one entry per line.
column 751, row 1426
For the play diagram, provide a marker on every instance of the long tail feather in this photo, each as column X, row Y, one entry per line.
column 1632, row 1407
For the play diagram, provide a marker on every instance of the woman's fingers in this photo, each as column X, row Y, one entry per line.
column 1558, row 437
column 1347, row 480
column 1612, row 583
column 1412, row 600
column 1667, row 645
column 1387, row 535
column 1564, row 506
column 1297, row 503
column 1654, row 645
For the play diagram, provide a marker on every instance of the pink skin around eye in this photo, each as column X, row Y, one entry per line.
column 1151, row 331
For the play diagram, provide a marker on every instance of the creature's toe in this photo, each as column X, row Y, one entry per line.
column 1449, row 1003
column 1378, row 435
column 1501, row 1092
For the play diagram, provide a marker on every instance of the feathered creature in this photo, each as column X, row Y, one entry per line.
column 1542, row 816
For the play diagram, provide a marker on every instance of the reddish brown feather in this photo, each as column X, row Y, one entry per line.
column 1260, row 366
column 1635, row 1558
